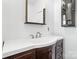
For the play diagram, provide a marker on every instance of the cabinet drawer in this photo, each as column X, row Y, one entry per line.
column 44, row 49
column 26, row 55
column 10, row 57
column 23, row 55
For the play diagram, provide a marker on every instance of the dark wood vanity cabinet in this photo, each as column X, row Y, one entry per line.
column 59, row 49
column 54, row 51
column 38, row 53
column 44, row 53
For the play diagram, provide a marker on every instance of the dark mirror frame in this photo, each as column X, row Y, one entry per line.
column 73, row 13
column 26, row 21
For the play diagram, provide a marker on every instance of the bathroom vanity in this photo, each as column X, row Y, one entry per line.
column 39, row 53
column 50, row 50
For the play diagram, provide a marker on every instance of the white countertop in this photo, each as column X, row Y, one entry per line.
column 12, row 47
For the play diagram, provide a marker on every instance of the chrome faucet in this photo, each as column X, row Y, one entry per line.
column 38, row 35
column 32, row 36
column 3, row 44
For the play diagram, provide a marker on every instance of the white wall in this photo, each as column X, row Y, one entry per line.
column 69, row 33
column 13, row 21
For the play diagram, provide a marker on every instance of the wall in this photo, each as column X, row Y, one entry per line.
column 69, row 33
column 13, row 21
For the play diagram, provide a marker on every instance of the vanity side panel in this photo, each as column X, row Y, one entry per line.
column 59, row 49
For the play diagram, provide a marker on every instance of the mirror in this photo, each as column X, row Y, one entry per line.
column 68, row 13
column 35, row 12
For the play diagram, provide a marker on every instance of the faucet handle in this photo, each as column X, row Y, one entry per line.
column 32, row 36
column 38, row 35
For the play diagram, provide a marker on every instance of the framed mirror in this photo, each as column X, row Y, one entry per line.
column 35, row 12
column 68, row 13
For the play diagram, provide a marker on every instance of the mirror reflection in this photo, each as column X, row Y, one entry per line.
column 35, row 11
column 68, row 13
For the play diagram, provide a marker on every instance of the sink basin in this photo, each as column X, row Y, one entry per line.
column 44, row 41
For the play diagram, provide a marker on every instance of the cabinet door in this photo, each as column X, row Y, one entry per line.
column 26, row 55
column 44, row 53
column 59, row 50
